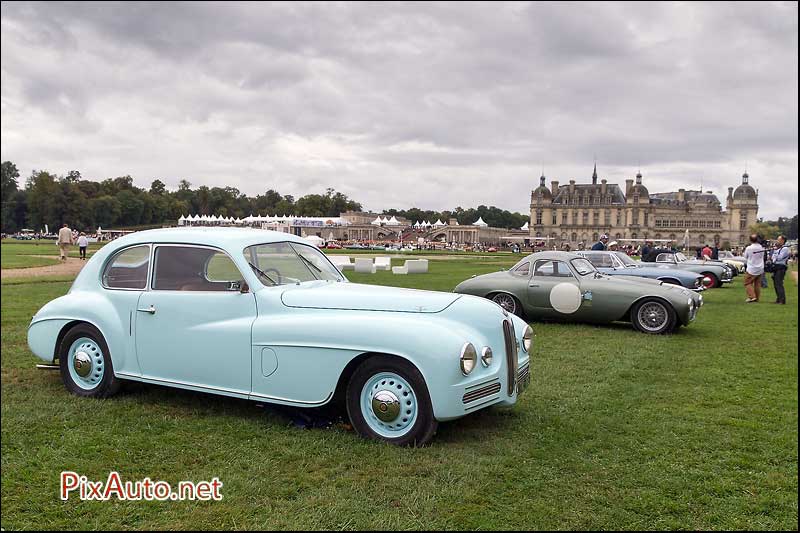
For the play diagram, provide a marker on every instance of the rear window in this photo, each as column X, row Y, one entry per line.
column 128, row 269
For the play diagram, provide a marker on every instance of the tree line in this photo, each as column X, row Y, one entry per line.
column 49, row 199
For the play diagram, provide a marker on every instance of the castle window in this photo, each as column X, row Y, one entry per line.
column 539, row 217
column 743, row 221
column 585, row 218
column 619, row 217
column 563, row 217
column 596, row 218
column 646, row 218
column 555, row 218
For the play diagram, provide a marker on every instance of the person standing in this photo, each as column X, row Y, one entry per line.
column 754, row 254
column 83, row 243
column 601, row 244
column 64, row 241
column 780, row 258
column 706, row 252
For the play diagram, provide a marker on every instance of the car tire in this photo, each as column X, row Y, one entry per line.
column 653, row 316
column 714, row 280
column 508, row 302
column 85, row 363
column 387, row 400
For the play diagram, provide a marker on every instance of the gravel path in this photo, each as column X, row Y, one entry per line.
column 71, row 267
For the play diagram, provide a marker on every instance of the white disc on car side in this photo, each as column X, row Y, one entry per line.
column 565, row 298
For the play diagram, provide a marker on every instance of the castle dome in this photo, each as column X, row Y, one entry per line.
column 744, row 191
column 543, row 190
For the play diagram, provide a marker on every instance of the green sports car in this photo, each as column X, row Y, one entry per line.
column 565, row 286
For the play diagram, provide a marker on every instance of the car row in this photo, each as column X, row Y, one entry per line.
column 714, row 273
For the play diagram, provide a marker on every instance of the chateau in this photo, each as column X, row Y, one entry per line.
column 580, row 213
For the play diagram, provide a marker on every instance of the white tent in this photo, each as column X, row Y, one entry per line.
column 439, row 223
column 480, row 222
column 182, row 220
column 316, row 241
column 393, row 221
column 525, row 227
column 376, row 222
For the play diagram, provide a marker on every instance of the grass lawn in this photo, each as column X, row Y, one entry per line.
column 618, row 430
column 23, row 254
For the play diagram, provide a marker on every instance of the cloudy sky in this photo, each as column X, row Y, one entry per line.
column 432, row 105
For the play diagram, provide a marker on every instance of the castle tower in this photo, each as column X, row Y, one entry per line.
column 742, row 211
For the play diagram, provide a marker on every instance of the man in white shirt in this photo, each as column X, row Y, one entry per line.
column 754, row 254
column 64, row 241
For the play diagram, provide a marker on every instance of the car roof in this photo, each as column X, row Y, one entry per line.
column 554, row 255
column 224, row 238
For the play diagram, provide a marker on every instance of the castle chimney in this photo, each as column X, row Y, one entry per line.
column 603, row 186
column 638, row 178
column 554, row 187
column 628, row 185
column 571, row 186
column 681, row 195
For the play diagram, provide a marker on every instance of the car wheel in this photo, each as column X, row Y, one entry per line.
column 653, row 316
column 507, row 302
column 387, row 400
column 85, row 363
column 710, row 281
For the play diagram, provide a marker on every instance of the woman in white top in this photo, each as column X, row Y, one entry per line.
column 83, row 243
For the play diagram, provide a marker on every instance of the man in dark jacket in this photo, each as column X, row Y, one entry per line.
column 601, row 244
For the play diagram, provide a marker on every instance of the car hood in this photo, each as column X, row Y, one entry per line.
column 358, row 297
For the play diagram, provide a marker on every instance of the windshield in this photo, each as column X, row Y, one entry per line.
column 583, row 266
column 282, row 263
column 680, row 257
column 627, row 261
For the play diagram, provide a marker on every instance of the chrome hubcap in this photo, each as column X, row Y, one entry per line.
column 85, row 363
column 389, row 405
column 653, row 316
column 386, row 406
column 82, row 364
column 506, row 302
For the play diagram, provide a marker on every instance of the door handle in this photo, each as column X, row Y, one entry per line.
column 151, row 310
column 533, row 285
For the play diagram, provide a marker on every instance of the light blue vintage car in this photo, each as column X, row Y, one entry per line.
column 265, row 316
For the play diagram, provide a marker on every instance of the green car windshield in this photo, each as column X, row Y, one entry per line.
column 583, row 266
column 283, row 263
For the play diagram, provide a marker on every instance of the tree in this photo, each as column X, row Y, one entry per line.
column 158, row 187
column 7, row 192
column 765, row 229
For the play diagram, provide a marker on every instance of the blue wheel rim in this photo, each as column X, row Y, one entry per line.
column 389, row 382
column 80, row 350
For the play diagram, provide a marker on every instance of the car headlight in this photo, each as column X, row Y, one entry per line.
column 486, row 356
column 701, row 300
column 468, row 358
column 527, row 339
column 689, row 303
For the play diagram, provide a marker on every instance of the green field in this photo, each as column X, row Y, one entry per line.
column 23, row 254
column 618, row 430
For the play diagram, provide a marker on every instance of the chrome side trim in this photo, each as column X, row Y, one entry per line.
column 511, row 355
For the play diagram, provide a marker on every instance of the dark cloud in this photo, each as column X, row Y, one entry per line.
column 406, row 103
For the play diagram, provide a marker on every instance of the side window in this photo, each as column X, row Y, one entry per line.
column 189, row 268
column 553, row 269
column 663, row 258
column 128, row 269
column 523, row 270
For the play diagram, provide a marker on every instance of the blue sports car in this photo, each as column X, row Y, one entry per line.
column 619, row 264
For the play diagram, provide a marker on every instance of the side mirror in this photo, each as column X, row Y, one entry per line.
column 245, row 288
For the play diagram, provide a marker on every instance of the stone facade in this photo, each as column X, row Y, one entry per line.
column 580, row 213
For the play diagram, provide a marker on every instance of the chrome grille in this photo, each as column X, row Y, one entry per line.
column 511, row 355
column 523, row 378
column 483, row 392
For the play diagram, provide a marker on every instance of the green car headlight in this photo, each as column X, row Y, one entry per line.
column 486, row 356
column 469, row 356
column 527, row 339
